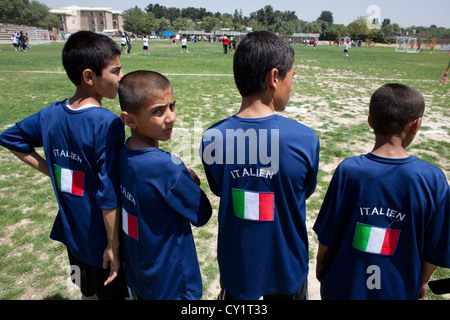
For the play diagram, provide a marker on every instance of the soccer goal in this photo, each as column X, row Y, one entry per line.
column 411, row 46
column 39, row 36
column 406, row 44
column 400, row 44
column 343, row 40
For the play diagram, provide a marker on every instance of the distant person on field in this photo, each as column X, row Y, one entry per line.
column 145, row 45
column 184, row 45
column 226, row 43
column 345, row 49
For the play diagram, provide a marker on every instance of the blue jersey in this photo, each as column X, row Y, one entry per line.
column 81, row 148
column 381, row 218
column 263, row 170
column 160, row 201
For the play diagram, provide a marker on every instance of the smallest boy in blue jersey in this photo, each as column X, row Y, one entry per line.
column 159, row 196
column 384, row 224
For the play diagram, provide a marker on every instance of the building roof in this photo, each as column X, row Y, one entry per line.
column 70, row 9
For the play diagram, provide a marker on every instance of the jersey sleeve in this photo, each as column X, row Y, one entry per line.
column 207, row 157
column 108, row 194
column 188, row 200
column 325, row 225
column 24, row 136
column 437, row 234
column 311, row 180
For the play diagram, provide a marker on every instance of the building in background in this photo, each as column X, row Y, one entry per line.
column 96, row 19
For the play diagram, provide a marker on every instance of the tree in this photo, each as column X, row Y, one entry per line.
column 210, row 23
column 149, row 23
column 183, row 24
column 158, row 10
column 313, row 27
column 29, row 13
column 132, row 20
column 164, row 24
column 358, row 28
column 326, row 16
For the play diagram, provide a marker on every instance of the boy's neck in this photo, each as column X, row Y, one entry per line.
column 83, row 97
column 135, row 142
column 390, row 147
column 256, row 106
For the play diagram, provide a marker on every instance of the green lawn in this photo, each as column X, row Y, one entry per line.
column 331, row 95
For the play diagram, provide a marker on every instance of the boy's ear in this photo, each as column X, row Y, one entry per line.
column 87, row 77
column 127, row 118
column 416, row 126
column 272, row 78
column 370, row 123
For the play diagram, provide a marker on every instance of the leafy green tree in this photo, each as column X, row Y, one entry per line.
column 132, row 20
column 29, row 13
column 148, row 23
column 210, row 23
column 164, row 24
column 326, row 16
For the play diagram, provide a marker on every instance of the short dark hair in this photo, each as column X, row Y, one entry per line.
column 138, row 88
column 87, row 50
column 258, row 53
column 393, row 106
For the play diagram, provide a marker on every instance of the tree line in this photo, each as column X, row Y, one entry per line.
column 159, row 17
column 28, row 13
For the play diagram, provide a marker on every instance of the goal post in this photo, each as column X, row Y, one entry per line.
column 39, row 36
column 343, row 40
column 406, row 44
column 411, row 47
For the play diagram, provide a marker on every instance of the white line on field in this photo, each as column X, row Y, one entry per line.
column 41, row 71
column 230, row 75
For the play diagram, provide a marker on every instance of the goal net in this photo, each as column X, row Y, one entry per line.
column 406, row 44
column 39, row 36
column 411, row 46
column 343, row 40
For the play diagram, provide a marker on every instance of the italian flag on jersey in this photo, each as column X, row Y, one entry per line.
column 70, row 181
column 375, row 239
column 130, row 224
column 250, row 205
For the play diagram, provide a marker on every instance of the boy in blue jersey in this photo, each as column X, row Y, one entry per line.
column 160, row 196
column 384, row 224
column 81, row 141
column 263, row 167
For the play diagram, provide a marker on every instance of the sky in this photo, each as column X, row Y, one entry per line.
column 404, row 12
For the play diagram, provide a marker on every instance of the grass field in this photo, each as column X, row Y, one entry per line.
column 331, row 95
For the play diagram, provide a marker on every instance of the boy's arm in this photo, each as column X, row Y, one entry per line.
column 427, row 271
column 34, row 160
column 111, row 219
column 187, row 199
column 321, row 254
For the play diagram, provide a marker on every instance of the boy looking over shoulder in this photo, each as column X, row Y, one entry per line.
column 263, row 167
column 385, row 221
column 81, row 141
column 159, row 196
